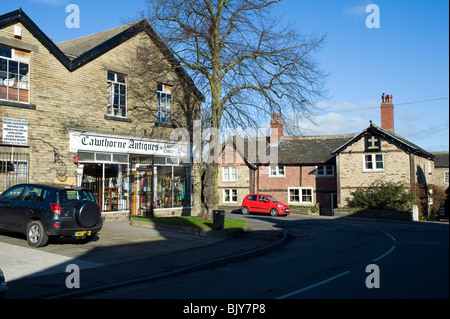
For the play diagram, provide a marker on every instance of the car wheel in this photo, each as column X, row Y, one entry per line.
column 36, row 235
column 245, row 211
column 273, row 212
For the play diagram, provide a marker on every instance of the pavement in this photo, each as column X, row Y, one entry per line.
column 121, row 255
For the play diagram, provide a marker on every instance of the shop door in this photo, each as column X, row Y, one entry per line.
column 144, row 181
column 93, row 179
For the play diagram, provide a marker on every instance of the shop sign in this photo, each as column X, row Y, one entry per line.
column 89, row 142
column 15, row 131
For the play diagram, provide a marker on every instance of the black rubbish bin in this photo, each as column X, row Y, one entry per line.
column 218, row 219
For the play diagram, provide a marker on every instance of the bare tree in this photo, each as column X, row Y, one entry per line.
column 245, row 61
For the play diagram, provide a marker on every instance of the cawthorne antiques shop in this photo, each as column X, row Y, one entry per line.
column 142, row 176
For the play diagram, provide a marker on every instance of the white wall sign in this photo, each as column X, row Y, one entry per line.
column 15, row 131
column 90, row 142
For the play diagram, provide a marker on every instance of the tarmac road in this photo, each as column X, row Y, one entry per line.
column 323, row 259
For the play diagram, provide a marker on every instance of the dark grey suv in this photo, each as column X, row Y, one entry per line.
column 40, row 211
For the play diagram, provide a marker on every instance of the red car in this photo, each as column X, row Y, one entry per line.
column 263, row 203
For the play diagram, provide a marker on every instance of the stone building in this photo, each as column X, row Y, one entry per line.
column 324, row 170
column 89, row 112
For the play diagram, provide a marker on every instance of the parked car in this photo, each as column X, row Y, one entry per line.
column 263, row 203
column 3, row 286
column 40, row 211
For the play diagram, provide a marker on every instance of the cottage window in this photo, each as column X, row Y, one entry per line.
column 300, row 195
column 14, row 75
column 164, row 99
column 446, row 178
column 230, row 174
column 325, row 170
column 374, row 162
column 277, row 171
column 230, row 196
column 117, row 95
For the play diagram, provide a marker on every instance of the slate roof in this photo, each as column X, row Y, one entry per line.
column 442, row 159
column 310, row 150
column 76, row 47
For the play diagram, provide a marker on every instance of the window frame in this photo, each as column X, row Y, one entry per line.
column 325, row 171
column 373, row 161
column 164, row 107
column 227, row 174
column 232, row 194
column 19, row 80
column 300, row 195
column 111, row 94
column 277, row 171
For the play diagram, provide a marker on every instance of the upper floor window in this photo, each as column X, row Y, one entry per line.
column 276, row 170
column 164, row 99
column 14, row 75
column 325, row 170
column 374, row 162
column 117, row 94
column 446, row 178
column 230, row 174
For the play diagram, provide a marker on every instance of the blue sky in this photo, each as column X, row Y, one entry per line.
column 407, row 56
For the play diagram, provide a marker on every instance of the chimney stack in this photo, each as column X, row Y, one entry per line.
column 387, row 113
column 276, row 128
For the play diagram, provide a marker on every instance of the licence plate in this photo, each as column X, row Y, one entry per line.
column 286, row 210
column 82, row 233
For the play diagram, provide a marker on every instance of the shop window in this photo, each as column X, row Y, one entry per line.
column 109, row 183
column 164, row 100
column 14, row 75
column 116, row 95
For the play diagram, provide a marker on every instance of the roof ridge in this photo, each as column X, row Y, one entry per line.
column 100, row 32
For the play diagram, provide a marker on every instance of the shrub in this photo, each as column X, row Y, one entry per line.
column 383, row 196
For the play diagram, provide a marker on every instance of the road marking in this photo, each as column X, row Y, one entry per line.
column 385, row 254
column 312, row 286
column 392, row 237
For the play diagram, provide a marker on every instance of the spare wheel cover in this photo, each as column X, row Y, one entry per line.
column 88, row 214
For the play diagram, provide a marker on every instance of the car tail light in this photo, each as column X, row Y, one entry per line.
column 56, row 208
column 57, row 224
column 100, row 207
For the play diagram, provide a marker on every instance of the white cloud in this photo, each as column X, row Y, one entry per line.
column 333, row 123
column 52, row 2
column 357, row 11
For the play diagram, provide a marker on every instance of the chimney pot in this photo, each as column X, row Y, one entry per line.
column 276, row 128
column 387, row 112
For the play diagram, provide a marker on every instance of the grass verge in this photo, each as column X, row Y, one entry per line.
column 196, row 222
